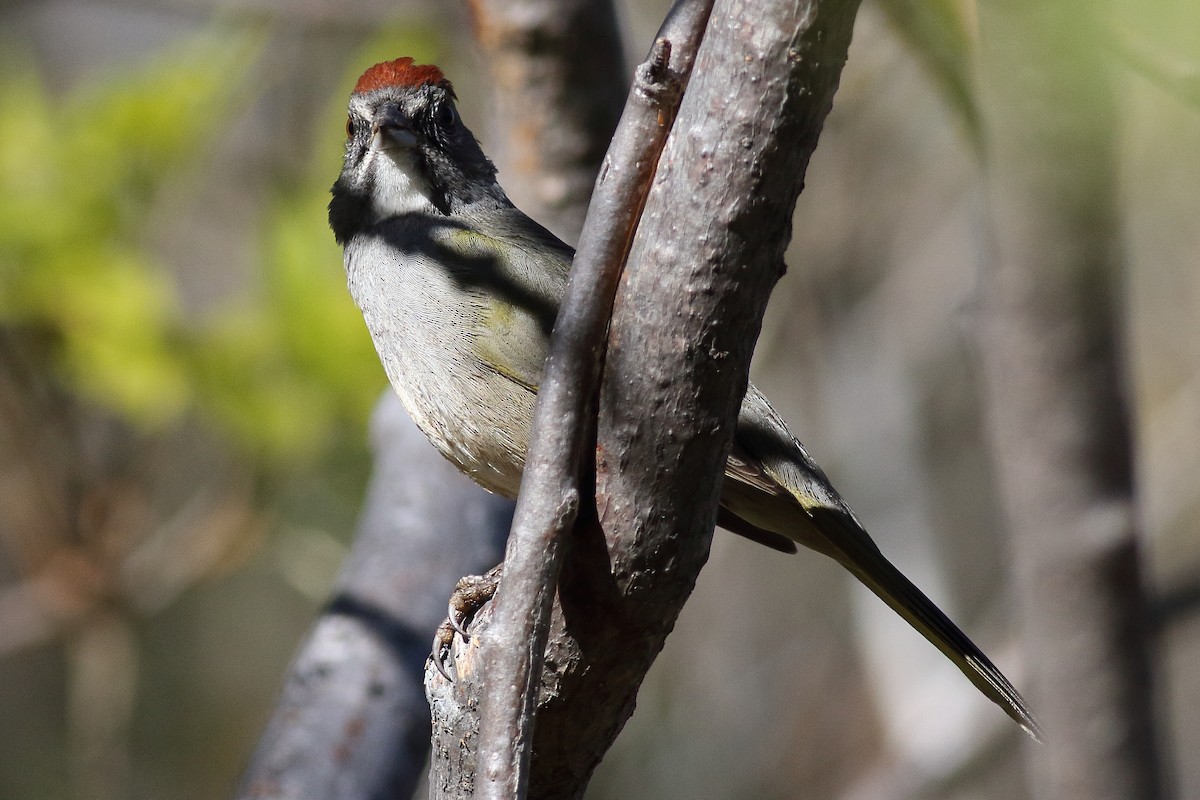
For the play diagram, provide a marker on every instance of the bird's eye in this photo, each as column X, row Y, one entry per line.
column 447, row 116
column 349, row 126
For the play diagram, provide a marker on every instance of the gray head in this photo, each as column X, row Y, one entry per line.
column 407, row 151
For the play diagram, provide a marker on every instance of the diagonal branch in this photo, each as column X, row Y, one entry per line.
column 351, row 721
column 702, row 263
column 550, row 491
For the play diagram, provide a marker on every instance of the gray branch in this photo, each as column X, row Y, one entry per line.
column 352, row 721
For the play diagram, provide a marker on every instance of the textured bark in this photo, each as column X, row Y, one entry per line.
column 702, row 265
column 1059, row 422
column 511, row 659
column 563, row 432
column 559, row 87
column 352, row 721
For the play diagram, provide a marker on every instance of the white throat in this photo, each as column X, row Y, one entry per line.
column 399, row 188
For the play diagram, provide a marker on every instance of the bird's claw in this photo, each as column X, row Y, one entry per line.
column 442, row 639
column 469, row 595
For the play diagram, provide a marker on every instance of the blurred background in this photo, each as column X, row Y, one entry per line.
column 185, row 387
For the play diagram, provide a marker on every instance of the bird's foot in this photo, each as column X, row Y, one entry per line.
column 469, row 595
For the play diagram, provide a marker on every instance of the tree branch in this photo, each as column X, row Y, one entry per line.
column 352, row 721
column 707, row 253
column 701, row 267
column 562, row 430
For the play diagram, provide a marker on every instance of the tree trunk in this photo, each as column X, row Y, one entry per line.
column 1051, row 350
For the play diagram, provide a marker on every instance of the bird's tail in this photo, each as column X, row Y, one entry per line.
column 856, row 552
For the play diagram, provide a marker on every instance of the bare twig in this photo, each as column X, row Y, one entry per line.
column 706, row 255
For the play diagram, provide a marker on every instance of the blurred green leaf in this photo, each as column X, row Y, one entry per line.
column 940, row 32
column 285, row 369
column 292, row 367
column 114, row 322
column 1163, row 47
column 77, row 176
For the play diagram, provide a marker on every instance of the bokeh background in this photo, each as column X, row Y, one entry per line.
column 185, row 387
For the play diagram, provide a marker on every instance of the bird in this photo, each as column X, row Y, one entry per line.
column 459, row 290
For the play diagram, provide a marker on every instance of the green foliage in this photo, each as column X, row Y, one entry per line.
column 279, row 371
column 1160, row 42
column 74, row 178
column 77, row 177
column 287, row 369
column 1154, row 40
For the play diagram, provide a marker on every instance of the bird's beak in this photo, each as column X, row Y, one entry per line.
column 392, row 130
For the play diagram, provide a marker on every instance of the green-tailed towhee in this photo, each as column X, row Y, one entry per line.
column 460, row 290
